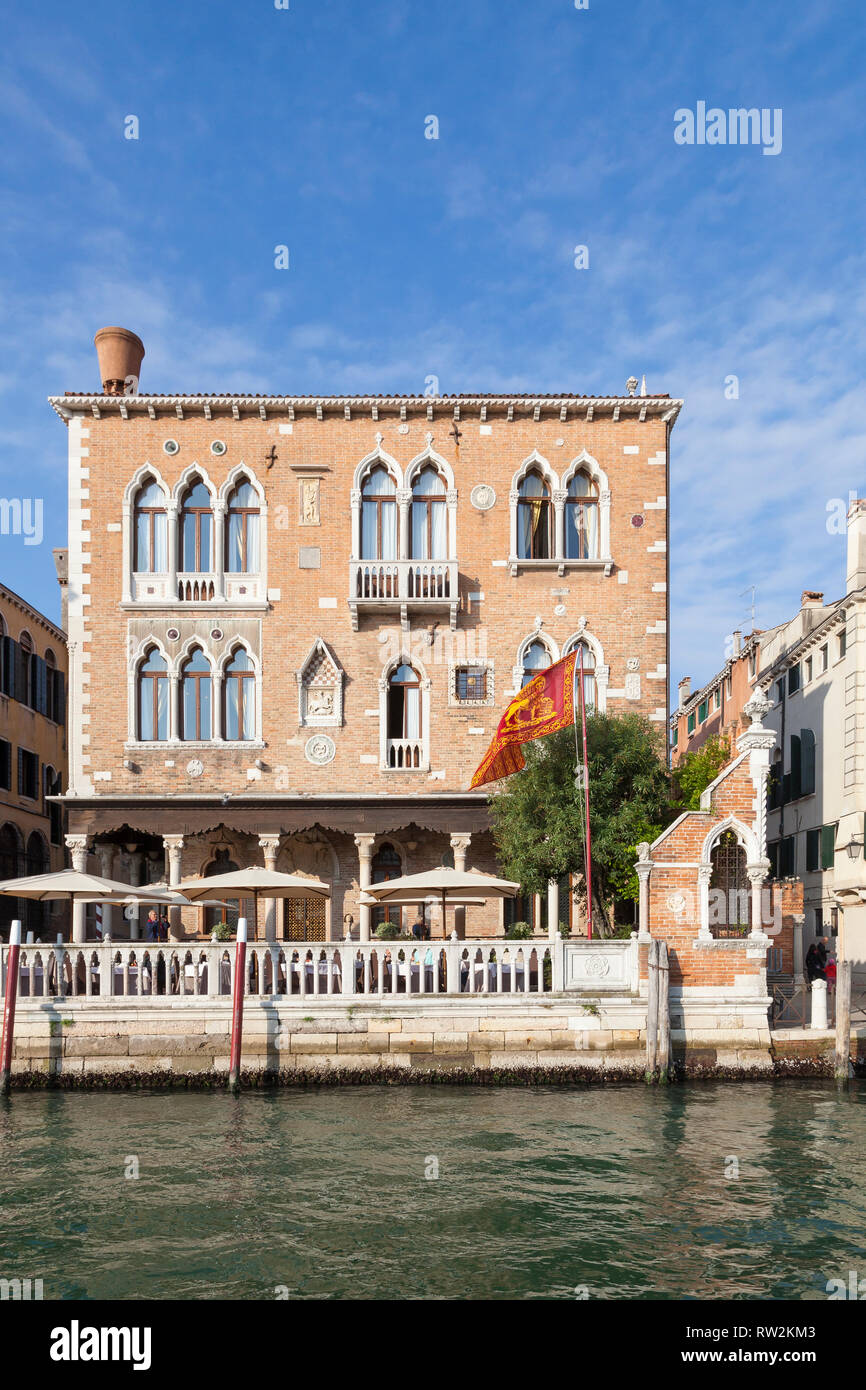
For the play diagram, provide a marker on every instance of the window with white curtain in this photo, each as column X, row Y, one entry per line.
column 153, row 698
column 239, row 697
column 581, row 518
column 242, row 530
column 197, row 697
column 585, row 655
column 534, row 519
column 404, row 704
column 429, row 517
column 151, row 530
column 196, row 534
column 536, row 658
column 379, row 516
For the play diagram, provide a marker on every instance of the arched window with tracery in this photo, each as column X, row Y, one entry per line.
column 239, row 697
column 534, row 519
column 536, row 658
column 242, row 529
column 151, row 529
column 730, row 907
column 379, row 515
column 581, row 518
column 586, row 656
column 196, row 529
column 405, row 725
column 429, row 516
column 196, row 705
column 153, row 698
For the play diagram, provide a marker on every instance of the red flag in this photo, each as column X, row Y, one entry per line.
column 543, row 706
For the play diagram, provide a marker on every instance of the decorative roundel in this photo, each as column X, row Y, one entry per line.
column 216, row 633
column 320, row 749
column 171, row 446
column 559, row 610
column 172, row 634
column 384, row 637
column 637, row 520
column 676, row 902
column 482, row 497
column 195, row 767
column 218, row 447
column 597, row 966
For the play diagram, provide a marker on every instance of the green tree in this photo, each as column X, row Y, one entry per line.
column 697, row 770
column 538, row 813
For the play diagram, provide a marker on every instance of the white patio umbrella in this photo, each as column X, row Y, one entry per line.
column 254, row 883
column 75, row 886
column 446, row 886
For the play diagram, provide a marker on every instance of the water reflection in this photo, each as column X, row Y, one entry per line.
column 628, row 1192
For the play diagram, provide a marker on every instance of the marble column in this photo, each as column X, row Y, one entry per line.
column 460, row 845
column 174, row 850
column 643, row 869
column 106, row 852
column 364, row 844
column 756, row 875
column 799, row 922
column 270, row 845
column 77, row 846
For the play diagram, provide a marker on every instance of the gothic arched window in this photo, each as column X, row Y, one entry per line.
column 153, row 698
column 239, row 698
column 379, row 515
column 196, row 529
column 151, row 530
column 581, row 518
column 429, row 517
column 242, row 529
column 196, row 704
column 536, row 658
column 534, row 519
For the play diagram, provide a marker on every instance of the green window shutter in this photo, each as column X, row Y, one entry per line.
column 691, row 724
column 703, row 710
column 807, row 762
column 828, row 846
column 813, row 850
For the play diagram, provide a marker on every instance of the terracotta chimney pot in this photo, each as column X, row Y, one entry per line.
column 120, row 355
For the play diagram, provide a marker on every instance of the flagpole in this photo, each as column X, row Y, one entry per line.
column 587, row 843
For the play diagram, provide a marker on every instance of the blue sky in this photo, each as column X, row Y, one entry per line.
column 454, row 257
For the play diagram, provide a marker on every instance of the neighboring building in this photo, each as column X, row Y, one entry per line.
column 295, row 621
column 32, row 756
column 814, row 670
column 717, row 708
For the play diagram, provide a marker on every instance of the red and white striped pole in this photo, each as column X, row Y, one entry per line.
column 238, row 1005
column 9, row 1006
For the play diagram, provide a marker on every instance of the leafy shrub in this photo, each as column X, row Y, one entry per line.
column 519, row 931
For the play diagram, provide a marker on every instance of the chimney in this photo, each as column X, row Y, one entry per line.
column 61, row 564
column 856, row 545
column 120, row 353
column 736, row 643
column 685, row 689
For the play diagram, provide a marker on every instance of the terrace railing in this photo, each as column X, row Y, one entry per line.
column 185, row 971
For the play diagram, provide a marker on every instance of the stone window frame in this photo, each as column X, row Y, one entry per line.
column 454, row 702
column 174, row 667
column 320, row 721
column 602, row 671
column 168, row 580
column 404, row 658
column 582, row 462
column 403, row 480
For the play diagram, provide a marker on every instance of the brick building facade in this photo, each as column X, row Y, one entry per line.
column 294, row 622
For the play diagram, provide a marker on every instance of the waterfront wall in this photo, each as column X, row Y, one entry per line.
column 77, row 1039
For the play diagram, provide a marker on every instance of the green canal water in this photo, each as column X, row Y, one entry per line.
column 541, row 1193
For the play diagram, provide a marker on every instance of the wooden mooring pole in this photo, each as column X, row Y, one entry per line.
column 9, row 1007
column 652, row 1012
column 843, row 1021
column 664, row 1014
column 238, row 1005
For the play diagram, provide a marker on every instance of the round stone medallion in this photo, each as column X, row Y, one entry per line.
column 195, row 767
column 597, row 966
column 677, row 903
column 320, row 749
column 482, row 497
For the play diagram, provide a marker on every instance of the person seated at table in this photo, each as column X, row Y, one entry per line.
column 418, row 929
